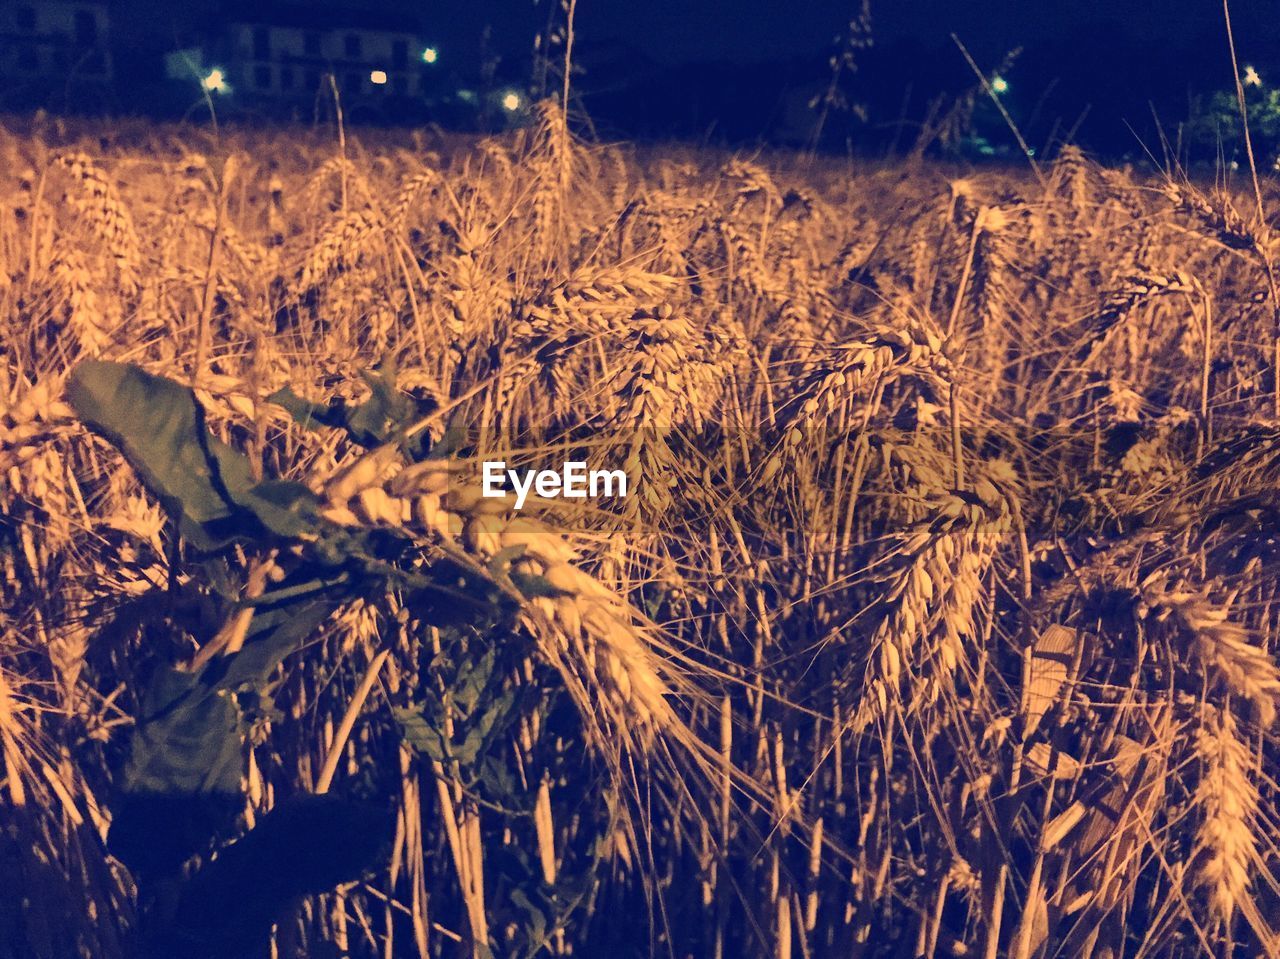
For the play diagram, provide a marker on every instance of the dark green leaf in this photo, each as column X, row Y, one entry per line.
column 421, row 736
column 205, row 485
column 483, row 730
column 181, row 784
column 371, row 423
column 159, row 427
column 307, row 845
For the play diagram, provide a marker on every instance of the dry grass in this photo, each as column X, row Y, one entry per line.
column 941, row 622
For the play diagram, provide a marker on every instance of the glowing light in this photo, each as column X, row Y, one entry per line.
column 1251, row 78
column 378, row 77
column 430, row 55
column 215, row 81
column 511, row 102
column 1000, row 85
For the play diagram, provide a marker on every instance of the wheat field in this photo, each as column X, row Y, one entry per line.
column 939, row 623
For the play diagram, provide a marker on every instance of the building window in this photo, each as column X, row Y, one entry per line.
column 401, row 84
column 286, row 78
column 353, row 83
column 261, row 43
column 29, row 58
column 351, row 44
column 86, row 28
column 400, row 53
column 313, row 79
column 262, row 76
column 311, row 43
column 25, row 19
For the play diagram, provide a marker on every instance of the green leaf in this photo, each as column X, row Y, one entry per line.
column 535, row 920
column 187, row 737
column 532, row 586
column 473, row 680
column 181, row 784
column 276, row 630
column 308, row 415
column 375, row 421
column 420, row 735
column 306, row 845
column 479, row 715
column 492, row 721
column 205, row 485
column 159, row 428
column 500, row 565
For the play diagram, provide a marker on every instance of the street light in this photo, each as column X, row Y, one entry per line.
column 1251, row 78
column 430, row 55
column 378, row 77
column 511, row 102
column 1000, row 85
column 215, row 81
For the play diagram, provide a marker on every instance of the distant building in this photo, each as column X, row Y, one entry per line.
column 54, row 50
column 278, row 55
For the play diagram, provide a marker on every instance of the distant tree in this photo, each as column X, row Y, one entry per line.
column 1214, row 122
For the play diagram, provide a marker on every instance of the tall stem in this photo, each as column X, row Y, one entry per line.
column 325, row 779
column 1262, row 249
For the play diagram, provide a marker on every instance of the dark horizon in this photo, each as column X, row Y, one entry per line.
column 1118, row 76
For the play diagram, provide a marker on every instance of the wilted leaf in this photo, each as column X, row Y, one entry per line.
column 1043, row 760
column 1051, row 658
column 1111, row 825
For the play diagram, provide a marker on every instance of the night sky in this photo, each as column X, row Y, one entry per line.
column 767, row 29
column 745, row 31
column 673, row 31
column 1123, row 61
